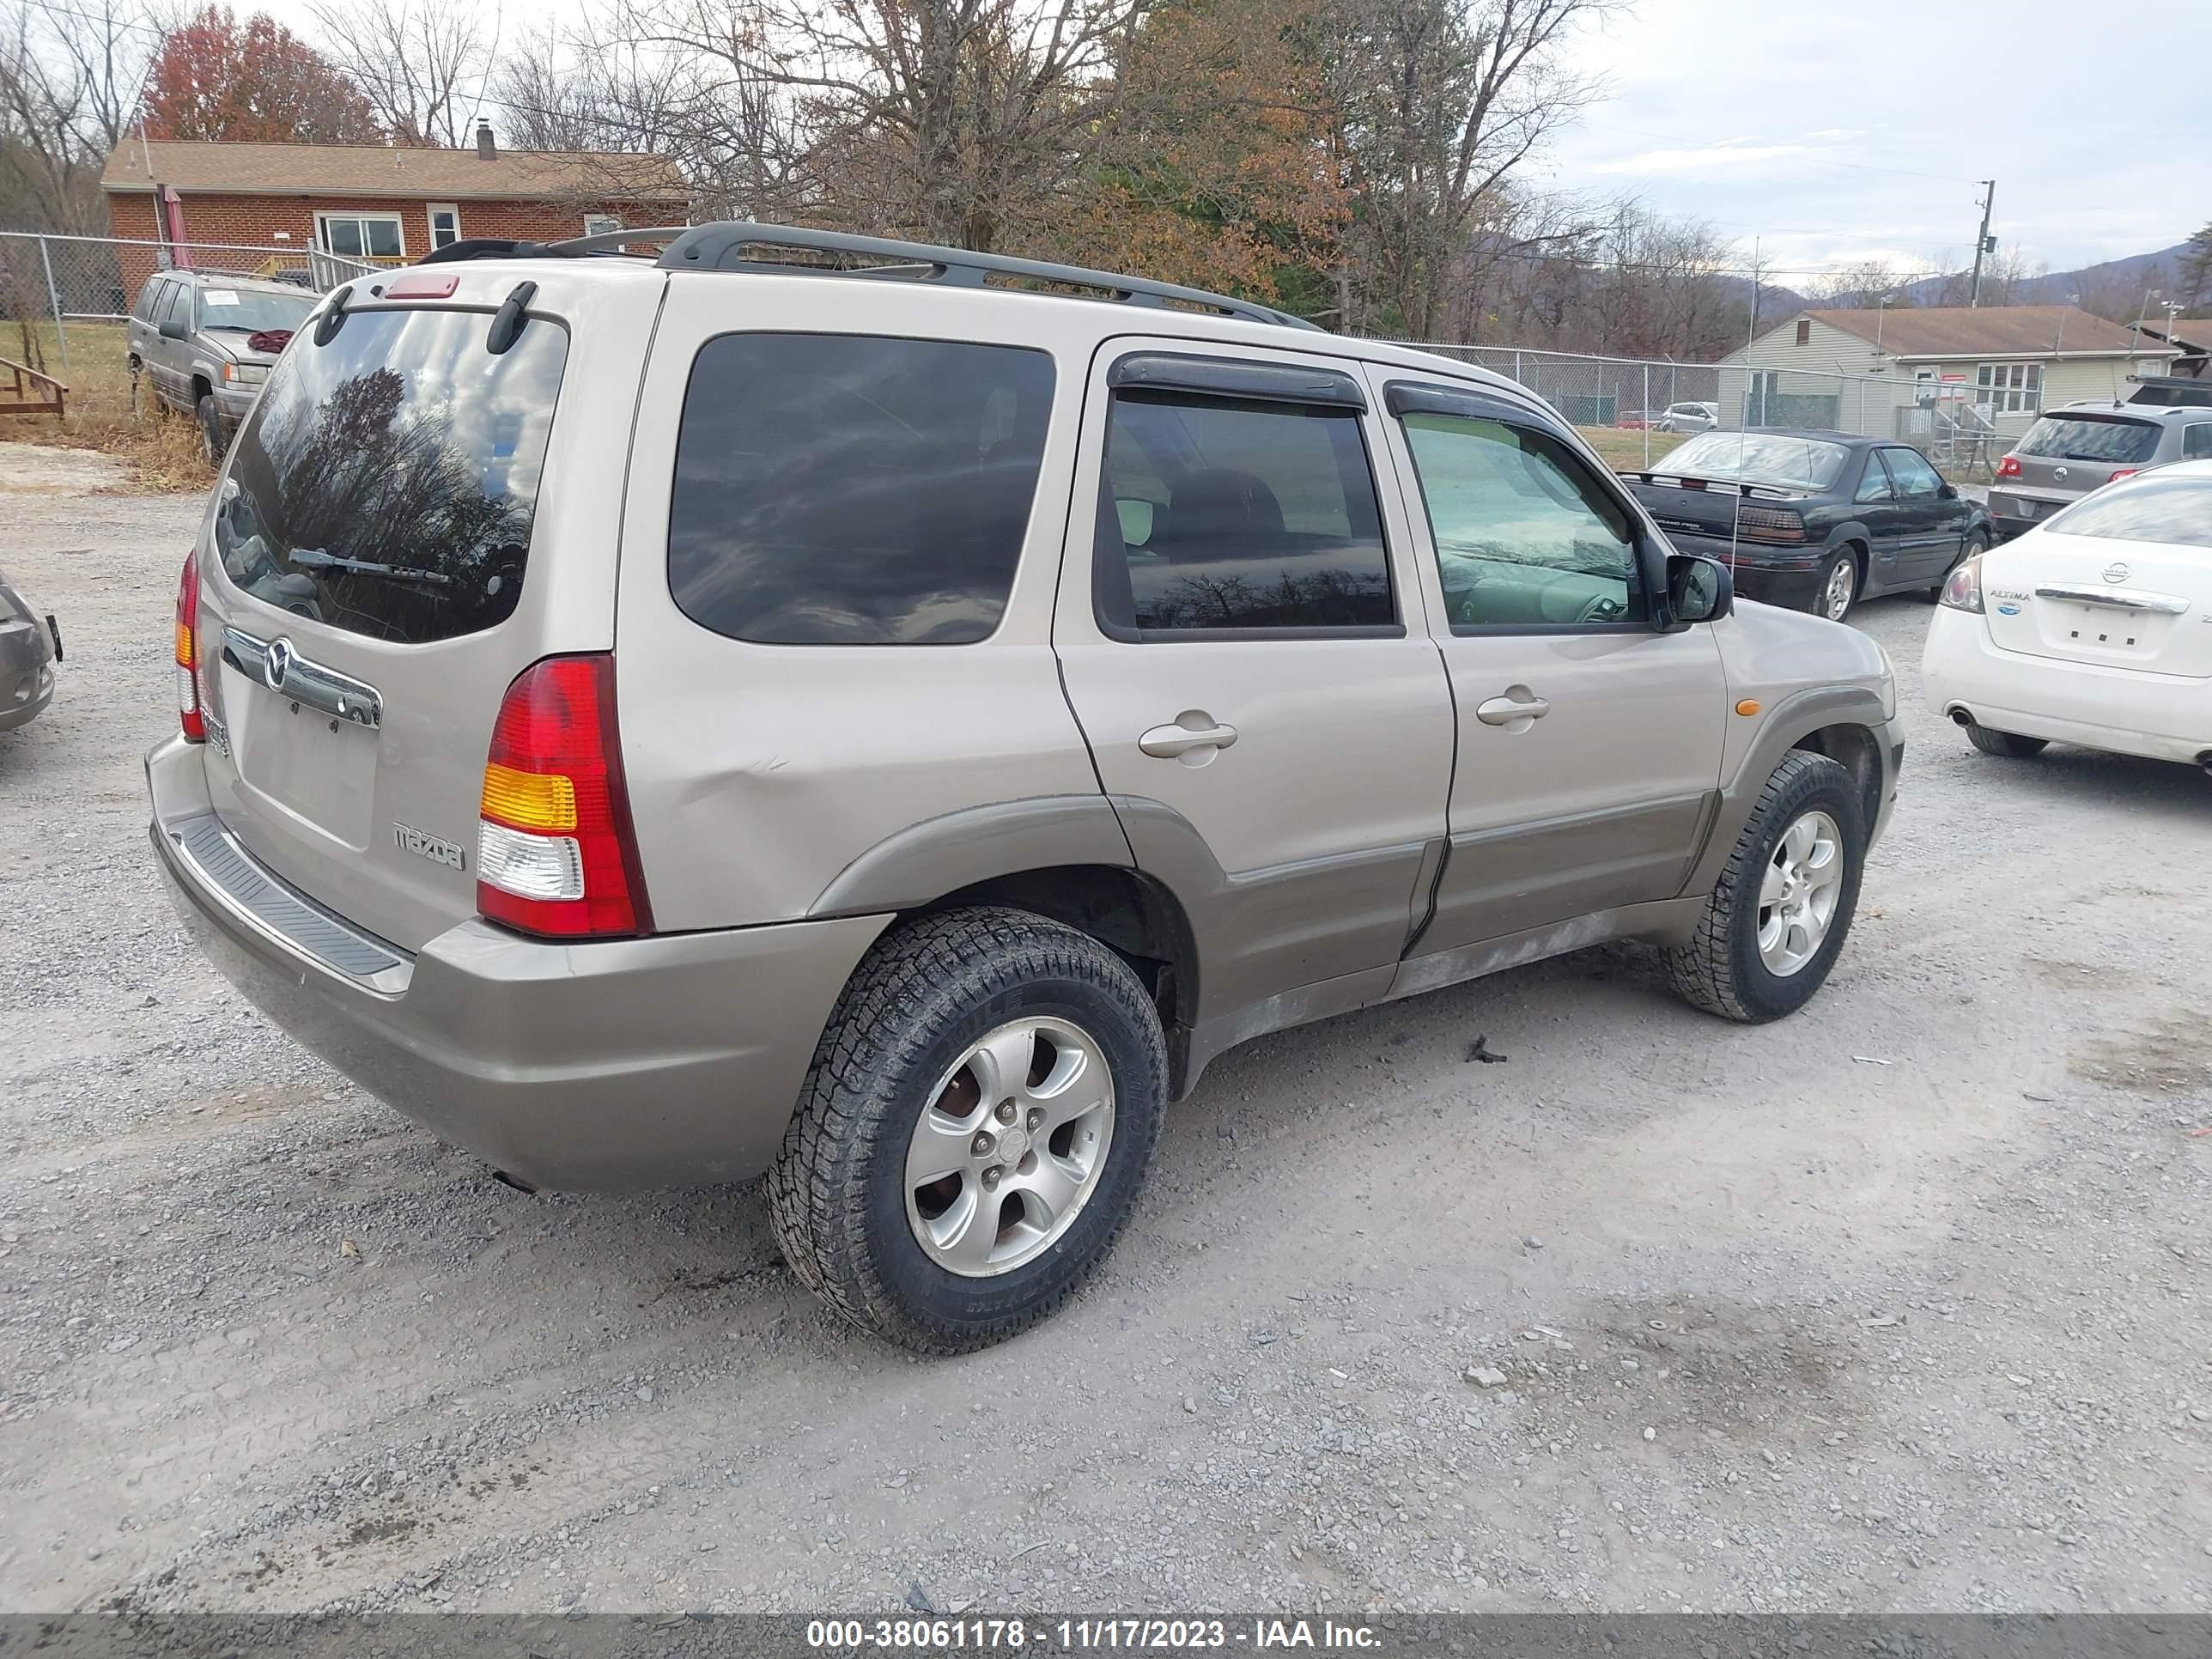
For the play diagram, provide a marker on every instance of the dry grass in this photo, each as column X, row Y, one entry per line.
column 161, row 449
column 1617, row 448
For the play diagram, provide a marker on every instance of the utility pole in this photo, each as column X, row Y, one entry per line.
column 1982, row 240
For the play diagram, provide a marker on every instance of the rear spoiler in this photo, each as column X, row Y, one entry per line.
column 1715, row 486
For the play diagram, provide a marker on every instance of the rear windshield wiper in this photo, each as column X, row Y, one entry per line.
column 315, row 559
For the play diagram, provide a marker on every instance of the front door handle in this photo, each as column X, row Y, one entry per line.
column 1190, row 731
column 1504, row 711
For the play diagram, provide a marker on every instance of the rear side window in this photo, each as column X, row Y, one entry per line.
column 851, row 490
column 2074, row 438
column 1223, row 514
column 386, row 482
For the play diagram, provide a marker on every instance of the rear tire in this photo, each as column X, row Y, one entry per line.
column 904, row 1073
column 2009, row 744
column 1838, row 588
column 1779, row 913
column 213, row 444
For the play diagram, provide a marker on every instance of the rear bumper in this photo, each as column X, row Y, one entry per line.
column 1790, row 580
column 2122, row 710
column 2016, row 510
column 617, row 1066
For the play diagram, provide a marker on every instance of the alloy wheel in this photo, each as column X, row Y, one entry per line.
column 1010, row 1147
column 1841, row 587
column 1799, row 893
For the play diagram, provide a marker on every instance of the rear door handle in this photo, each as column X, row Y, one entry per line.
column 1185, row 734
column 1504, row 711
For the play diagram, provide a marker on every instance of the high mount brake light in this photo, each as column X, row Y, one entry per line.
column 556, row 853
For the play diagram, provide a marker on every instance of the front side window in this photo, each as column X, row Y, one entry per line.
column 387, row 480
column 1915, row 479
column 1223, row 513
column 2009, row 388
column 850, row 490
column 362, row 236
column 1526, row 536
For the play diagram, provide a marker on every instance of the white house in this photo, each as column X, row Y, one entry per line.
column 1903, row 371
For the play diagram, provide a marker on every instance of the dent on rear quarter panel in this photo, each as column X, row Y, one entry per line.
column 758, row 773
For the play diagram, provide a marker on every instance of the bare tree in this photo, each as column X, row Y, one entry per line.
column 422, row 64
column 599, row 92
column 1437, row 103
column 960, row 121
column 70, row 77
column 1867, row 283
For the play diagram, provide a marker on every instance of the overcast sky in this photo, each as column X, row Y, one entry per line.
column 1840, row 130
column 1769, row 117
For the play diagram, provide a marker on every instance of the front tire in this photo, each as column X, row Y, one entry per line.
column 1779, row 913
column 212, row 441
column 2009, row 744
column 1024, row 1057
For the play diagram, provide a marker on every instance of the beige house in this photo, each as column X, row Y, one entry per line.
column 1920, row 373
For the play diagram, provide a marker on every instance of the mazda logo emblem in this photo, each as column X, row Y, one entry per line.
column 2116, row 573
column 279, row 664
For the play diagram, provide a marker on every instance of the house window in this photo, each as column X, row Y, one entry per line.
column 1804, row 331
column 2009, row 388
column 361, row 235
column 601, row 224
column 444, row 224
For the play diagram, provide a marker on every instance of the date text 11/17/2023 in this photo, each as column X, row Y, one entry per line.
column 1087, row 1634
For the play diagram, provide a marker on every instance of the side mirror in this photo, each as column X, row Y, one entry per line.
column 1698, row 589
column 173, row 328
column 1949, row 492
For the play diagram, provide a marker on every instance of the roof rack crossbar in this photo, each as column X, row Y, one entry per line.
column 725, row 246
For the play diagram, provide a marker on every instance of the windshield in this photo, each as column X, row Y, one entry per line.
column 2176, row 512
column 1761, row 457
column 2090, row 438
column 385, row 483
column 251, row 312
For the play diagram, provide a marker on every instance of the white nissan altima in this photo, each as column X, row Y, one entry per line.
column 2095, row 627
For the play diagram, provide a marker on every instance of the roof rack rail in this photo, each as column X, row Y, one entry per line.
column 726, row 246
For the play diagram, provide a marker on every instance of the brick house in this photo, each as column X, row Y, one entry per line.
column 370, row 203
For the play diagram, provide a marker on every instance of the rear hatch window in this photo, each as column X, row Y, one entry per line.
column 2090, row 438
column 386, row 481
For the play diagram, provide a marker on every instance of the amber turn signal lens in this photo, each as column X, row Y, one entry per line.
column 1749, row 706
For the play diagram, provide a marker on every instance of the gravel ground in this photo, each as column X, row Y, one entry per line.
column 1902, row 1303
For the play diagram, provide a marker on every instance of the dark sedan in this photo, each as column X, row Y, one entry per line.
column 1813, row 520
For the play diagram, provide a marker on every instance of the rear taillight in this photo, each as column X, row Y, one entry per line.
column 189, row 718
column 2009, row 467
column 1963, row 592
column 555, row 852
column 2124, row 472
column 1769, row 524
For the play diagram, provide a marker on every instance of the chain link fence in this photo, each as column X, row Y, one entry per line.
column 1633, row 410
column 67, row 296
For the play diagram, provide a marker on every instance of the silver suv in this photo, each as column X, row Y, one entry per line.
column 2079, row 447
column 204, row 340
column 667, row 720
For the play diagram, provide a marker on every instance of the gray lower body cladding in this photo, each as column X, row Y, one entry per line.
column 621, row 1064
